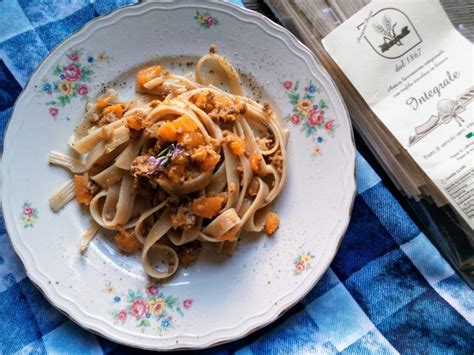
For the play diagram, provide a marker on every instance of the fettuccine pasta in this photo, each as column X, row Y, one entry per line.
column 184, row 164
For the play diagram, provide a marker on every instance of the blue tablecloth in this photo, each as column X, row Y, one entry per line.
column 387, row 291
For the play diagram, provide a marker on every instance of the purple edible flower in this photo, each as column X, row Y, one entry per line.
column 158, row 163
column 164, row 157
column 176, row 148
column 153, row 160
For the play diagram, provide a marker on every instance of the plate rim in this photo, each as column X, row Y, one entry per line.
column 72, row 310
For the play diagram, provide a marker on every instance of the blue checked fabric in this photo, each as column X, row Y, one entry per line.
column 387, row 291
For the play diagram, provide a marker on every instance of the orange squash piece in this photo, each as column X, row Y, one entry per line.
column 207, row 207
column 103, row 101
column 210, row 161
column 255, row 160
column 167, row 132
column 136, row 122
column 205, row 101
column 172, row 130
column 127, row 241
column 200, row 100
column 237, row 146
column 186, row 123
column 117, row 110
column 83, row 194
column 271, row 223
column 147, row 74
column 191, row 139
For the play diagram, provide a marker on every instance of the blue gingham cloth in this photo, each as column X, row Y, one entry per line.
column 387, row 291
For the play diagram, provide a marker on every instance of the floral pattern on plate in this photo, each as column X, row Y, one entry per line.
column 309, row 112
column 29, row 215
column 149, row 308
column 205, row 20
column 70, row 79
column 302, row 263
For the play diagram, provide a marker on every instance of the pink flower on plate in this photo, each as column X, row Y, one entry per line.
column 28, row 211
column 152, row 290
column 72, row 72
column 300, row 266
column 187, row 303
column 138, row 308
column 287, row 85
column 53, row 111
column 329, row 125
column 209, row 21
column 122, row 315
column 73, row 56
column 82, row 90
column 296, row 119
column 315, row 117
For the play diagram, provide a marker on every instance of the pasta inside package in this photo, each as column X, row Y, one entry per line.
column 183, row 164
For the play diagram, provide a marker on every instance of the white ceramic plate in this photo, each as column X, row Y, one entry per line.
column 219, row 298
